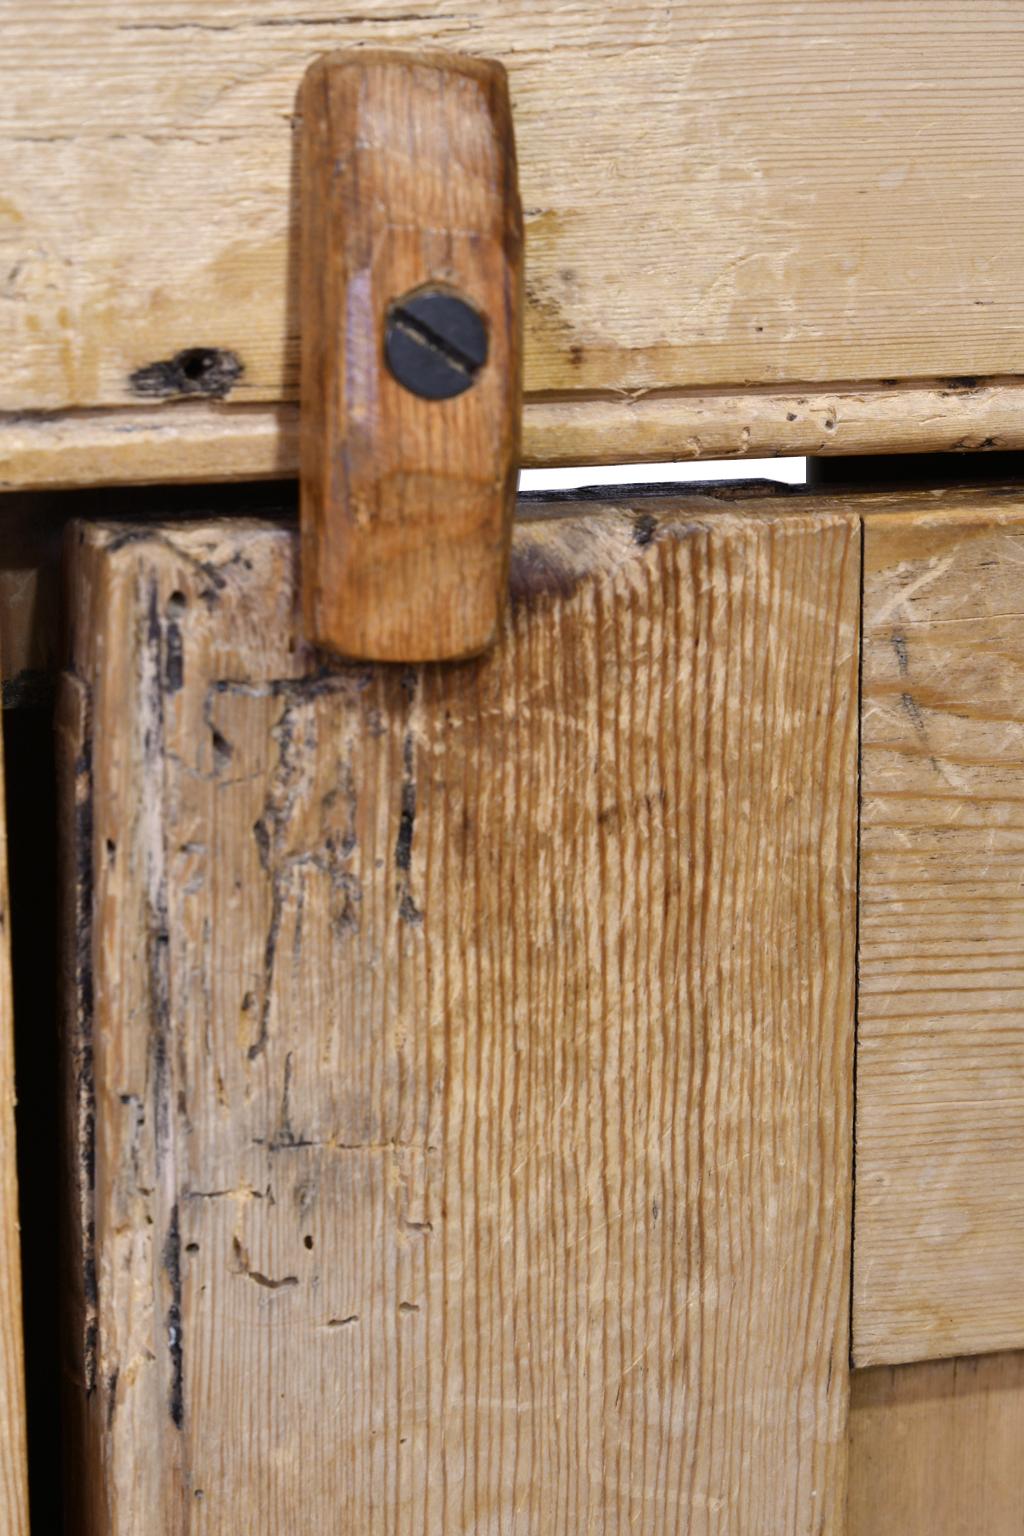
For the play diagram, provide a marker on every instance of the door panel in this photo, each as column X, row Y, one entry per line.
column 935, row 1448
column 472, row 1044
column 940, row 1109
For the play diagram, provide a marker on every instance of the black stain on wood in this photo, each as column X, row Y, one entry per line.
column 899, row 645
column 262, row 836
column 174, row 661
column 211, row 372
column 269, row 831
column 81, row 1053
column 537, row 571
column 175, row 1339
column 964, row 384
column 645, row 525
column 408, row 911
column 407, row 819
column 258, row 1045
column 223, row 751
column 157, row 935
column 912, row 710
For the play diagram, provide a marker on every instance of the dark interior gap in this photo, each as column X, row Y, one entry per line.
column 30, row 765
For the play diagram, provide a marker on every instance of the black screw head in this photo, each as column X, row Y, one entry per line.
column 435, row 343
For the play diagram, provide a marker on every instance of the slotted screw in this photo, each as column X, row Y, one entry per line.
column 435, row 343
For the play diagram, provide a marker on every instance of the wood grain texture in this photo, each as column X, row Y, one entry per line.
column 940, row 1123
column 13, row 1446
column 409, row 186
column 744, row 191
column 203, row 442
column 935, row 1448
column 473, row 1044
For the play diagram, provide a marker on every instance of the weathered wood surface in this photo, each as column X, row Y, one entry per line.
column 13, row 1448
column 473, row 1044
column 935, row 1448
column 203, row 442
column 409, row 191
column 940, row 1121
column 725, row 194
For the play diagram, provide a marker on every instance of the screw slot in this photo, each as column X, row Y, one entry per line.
column 435, row 343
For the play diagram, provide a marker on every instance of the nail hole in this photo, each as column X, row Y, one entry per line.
column 308, row 1240
column 209, row 371
column 176, row 605
column 196, row 363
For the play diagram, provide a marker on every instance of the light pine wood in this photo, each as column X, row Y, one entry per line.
column 940, row 1118
column 32, row 524
column 473, row 1044
column 409, row 188
column 935, row 1448
column 13, row 1465
column 207, row 442
column 716, row 194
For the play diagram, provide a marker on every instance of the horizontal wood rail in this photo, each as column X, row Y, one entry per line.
column 206, row 442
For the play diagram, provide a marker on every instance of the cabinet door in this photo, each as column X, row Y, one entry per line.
column 467, row 1102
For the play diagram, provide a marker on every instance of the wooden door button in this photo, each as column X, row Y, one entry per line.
column 411, row 352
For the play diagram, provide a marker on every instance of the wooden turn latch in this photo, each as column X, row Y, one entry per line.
column 411, row 352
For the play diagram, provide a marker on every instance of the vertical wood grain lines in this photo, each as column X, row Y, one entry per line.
column 508, row 1041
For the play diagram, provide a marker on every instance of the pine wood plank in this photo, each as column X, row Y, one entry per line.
column 940, row 1122
column 203, row 442
column 717, row 195
column 935, row 1448
column 473, row 1044
column 13, row 1448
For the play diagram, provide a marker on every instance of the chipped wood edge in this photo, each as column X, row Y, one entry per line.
column 209, row 442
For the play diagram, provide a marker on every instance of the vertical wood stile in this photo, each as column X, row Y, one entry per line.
column 473, row 1043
